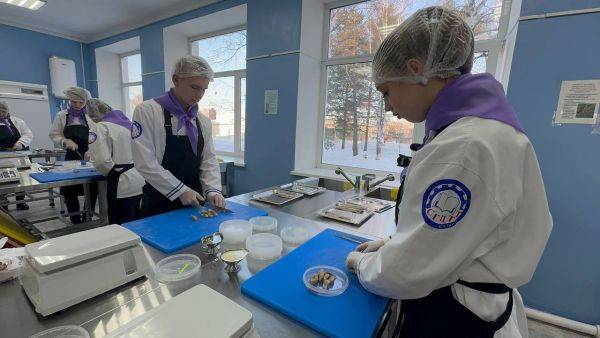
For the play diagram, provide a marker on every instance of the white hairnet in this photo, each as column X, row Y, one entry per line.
column 77, row 94
column 97, row 109
column 436, row 36
column 3, row 106
column 189, row 66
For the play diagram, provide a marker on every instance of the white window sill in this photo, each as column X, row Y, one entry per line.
column 330, row 174
column 237, row 161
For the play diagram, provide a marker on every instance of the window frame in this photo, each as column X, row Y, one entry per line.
column 238, row 75
column 493, row 46
column 125, row 85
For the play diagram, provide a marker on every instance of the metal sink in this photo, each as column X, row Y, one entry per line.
column 334, row 185
column 381, row 193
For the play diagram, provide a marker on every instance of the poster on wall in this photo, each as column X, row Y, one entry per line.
column 578, row 102
column 271, row 98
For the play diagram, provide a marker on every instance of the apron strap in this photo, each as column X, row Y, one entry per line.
column 111, row 189
column 168, row 124
column 494, row 288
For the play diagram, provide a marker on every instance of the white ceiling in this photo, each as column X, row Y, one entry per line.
column 92, row 20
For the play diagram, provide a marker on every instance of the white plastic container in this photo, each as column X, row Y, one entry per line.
column 264, row 246
column 264, row 224
column 294, row 236
column 235, row 231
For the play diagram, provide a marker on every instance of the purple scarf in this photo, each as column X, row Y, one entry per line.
column 73, row 113
column 170, row 103
column 469, row 95
column 117, row 117
column 6, row 122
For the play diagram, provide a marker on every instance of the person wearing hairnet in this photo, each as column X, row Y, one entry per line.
column 110, row 153
column 172, row 144
column 473, row 219
column 70, row 129
column 14, row 135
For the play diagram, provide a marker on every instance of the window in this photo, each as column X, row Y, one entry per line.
column 225, row 100
column 357, row 132
column 131, row 80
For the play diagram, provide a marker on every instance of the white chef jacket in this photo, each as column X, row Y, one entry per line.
column 110, row 145
column 148, row 148
column 26, row 134
column 495, row 232
column 58, row 125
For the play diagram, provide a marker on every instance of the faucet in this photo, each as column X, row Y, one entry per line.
column 355, row 184
column 369, row 177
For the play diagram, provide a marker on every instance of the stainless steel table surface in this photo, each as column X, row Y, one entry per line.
column 30, row 185
column 106, row 312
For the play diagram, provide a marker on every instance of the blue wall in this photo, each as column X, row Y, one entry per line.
column 273, row 27
column 24, row 57
column 567, row 281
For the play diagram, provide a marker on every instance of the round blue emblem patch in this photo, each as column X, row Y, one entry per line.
column 136, row 130
column 445, row 203
column 92, row 137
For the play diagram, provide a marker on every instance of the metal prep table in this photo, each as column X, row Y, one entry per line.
column 28, row 186
column 108, row 311
column 47, row 155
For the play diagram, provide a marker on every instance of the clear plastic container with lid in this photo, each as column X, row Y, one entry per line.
column 264, row 246
column 67, row 331
column 235, row 231
column 295, row 235
column 264, row 224
column 177, row 268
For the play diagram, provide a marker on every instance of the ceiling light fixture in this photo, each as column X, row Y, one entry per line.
column 29, row 4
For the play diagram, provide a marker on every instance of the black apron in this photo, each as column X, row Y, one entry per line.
column 439, row 314
column 180, row 160
column 8, row 140
column 80, row 135
column 112, row 185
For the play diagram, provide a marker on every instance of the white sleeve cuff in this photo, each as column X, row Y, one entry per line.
column 177, row 191
column 213, row 191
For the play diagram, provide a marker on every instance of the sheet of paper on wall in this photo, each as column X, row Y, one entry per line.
column 271, row 98
column 578, row 102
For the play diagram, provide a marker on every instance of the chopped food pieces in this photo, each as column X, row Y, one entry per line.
column 323, row 279
column 208, row 213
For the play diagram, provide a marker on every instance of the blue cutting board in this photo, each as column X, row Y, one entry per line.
column 47, row 177
column 176, row 230
column 354, row 313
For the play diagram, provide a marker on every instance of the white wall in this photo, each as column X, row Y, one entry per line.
column 108, row 70
column 176, row 46
column 309, row 85
column 109, row 78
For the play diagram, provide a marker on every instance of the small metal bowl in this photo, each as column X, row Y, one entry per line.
column 232, row 258
column 212, row 242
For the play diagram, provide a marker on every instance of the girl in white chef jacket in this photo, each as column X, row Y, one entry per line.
column 70, row 129
column 110, row 153
column 14, row 135
column 473, row 219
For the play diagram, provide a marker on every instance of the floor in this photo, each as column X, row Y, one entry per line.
column 41, row 209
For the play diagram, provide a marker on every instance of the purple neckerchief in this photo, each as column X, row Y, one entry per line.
column 73, row 113
column 468, row 95
column 6, row 122
column 117, row 117
column 170, row 103
column 471, row 95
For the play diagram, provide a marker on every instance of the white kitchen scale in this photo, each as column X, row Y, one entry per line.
column 63, row 271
